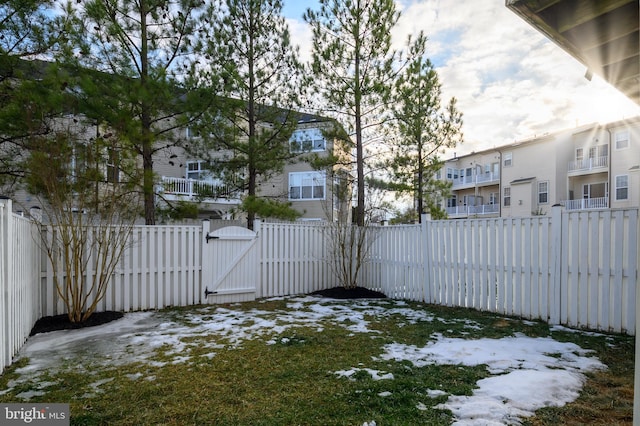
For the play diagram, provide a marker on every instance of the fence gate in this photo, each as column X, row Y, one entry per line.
column 230, row 264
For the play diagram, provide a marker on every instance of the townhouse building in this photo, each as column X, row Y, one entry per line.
column 182, row 177
column 310, row 191
column 596, row 166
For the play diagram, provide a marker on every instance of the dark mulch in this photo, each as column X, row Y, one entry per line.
column 61, row 322
column 349, row 293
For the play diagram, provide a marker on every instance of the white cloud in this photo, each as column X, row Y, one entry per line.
column 510, row 81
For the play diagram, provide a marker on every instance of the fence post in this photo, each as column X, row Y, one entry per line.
column 427, row 253
column 206, row 271
column 555, row 280
column 5, row 281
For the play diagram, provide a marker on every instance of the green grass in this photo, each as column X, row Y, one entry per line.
column 293, row 381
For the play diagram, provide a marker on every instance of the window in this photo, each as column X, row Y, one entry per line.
column 579, row 154
column 622, row 187
column 507, row 159
column 452, row 173
column 198, row 170
column 506, row 196
column 453, row 201
column 543, row 192
column 493, row 198
column 622, row 139
column 192, row 132
column 113, row 171
column 307, row 140
column 78, row 161
column 307, row 186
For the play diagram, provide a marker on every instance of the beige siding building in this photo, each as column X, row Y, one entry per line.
column 590, row 167
column 310, row 191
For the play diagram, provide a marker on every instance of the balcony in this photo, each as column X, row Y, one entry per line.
column 198, row 190
column 586, row 203
column 466, row 211
column 589, row 164
column 479, row 180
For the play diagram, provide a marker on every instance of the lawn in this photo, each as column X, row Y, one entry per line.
column 318, row 361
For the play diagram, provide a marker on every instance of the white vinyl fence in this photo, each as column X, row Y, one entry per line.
column 160, row 267
column 574, row 268
column 20, row 265
column 295, row 259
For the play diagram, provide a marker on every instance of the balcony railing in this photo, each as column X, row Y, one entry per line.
column 475, row 179
column 196, row 188
column 586, row 203
column 589, row 163
column 472, row 210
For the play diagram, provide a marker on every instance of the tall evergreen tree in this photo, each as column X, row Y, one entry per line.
column 26, row 30
column 423, row 129
column 143, row 55
column 263, row 82
column 353, row 64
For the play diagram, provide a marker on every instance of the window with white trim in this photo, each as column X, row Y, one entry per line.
column 622, row 187
column 307, row 185
column 493, row 198
column 622, row 139
column 543, row 192
column 198, row 170
column 307, row 140
column 506, row 196
column 113, row 162
column 507, row 159
column 452, row 173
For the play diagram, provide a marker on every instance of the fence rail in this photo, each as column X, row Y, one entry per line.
column 574, row 268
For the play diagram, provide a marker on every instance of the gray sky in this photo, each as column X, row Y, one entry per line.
column 510, row 81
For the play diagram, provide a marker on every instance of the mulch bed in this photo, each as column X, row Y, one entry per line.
column 349, row 293
column 61, row 322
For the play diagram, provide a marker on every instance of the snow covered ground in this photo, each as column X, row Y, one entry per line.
column 525, row 373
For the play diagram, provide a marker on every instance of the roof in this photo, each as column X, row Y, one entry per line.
column 601, row 34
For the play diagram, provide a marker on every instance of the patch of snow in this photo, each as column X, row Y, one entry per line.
column 375, row 374
column 529, row 373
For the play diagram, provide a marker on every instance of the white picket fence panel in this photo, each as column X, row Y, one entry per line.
column 160, row 267
column 20, row 265
column 294, row 259
column 579, row 269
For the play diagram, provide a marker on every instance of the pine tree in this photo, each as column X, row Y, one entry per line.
column 423, row 129
column 262, row 81
column 142, row 56
column 353, row 64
